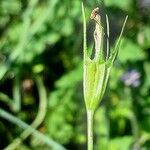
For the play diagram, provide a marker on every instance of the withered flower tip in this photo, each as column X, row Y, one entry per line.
column 94, row 14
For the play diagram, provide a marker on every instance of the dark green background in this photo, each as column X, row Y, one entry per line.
column 42, row 40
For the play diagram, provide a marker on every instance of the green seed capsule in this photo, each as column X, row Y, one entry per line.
column 97, row 70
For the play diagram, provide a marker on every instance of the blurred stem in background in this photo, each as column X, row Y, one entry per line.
column 4, row 114
column 133, row 121
column 16, row 94
column 39, row 118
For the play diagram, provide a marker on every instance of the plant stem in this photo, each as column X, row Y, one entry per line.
column 90, row 115
column 39, row 118
column 16, row 94
column 43, row 138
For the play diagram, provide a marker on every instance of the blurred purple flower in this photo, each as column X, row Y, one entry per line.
column 131, row 78
column 144, row 6
column 144, row 3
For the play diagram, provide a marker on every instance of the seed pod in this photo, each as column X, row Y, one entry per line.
column 97, row 70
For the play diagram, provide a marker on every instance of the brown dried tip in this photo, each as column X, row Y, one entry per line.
column 94, row 13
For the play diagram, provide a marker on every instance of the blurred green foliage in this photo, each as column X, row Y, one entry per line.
column 43, row 40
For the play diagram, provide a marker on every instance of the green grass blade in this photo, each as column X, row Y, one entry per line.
column 107, row 23
column 84, row 33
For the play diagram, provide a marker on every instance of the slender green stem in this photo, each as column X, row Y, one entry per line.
column 43, row 138
column 16, row 94
column 6, row 99
column 90, row 115
column 39, row 118
column 135, row 131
